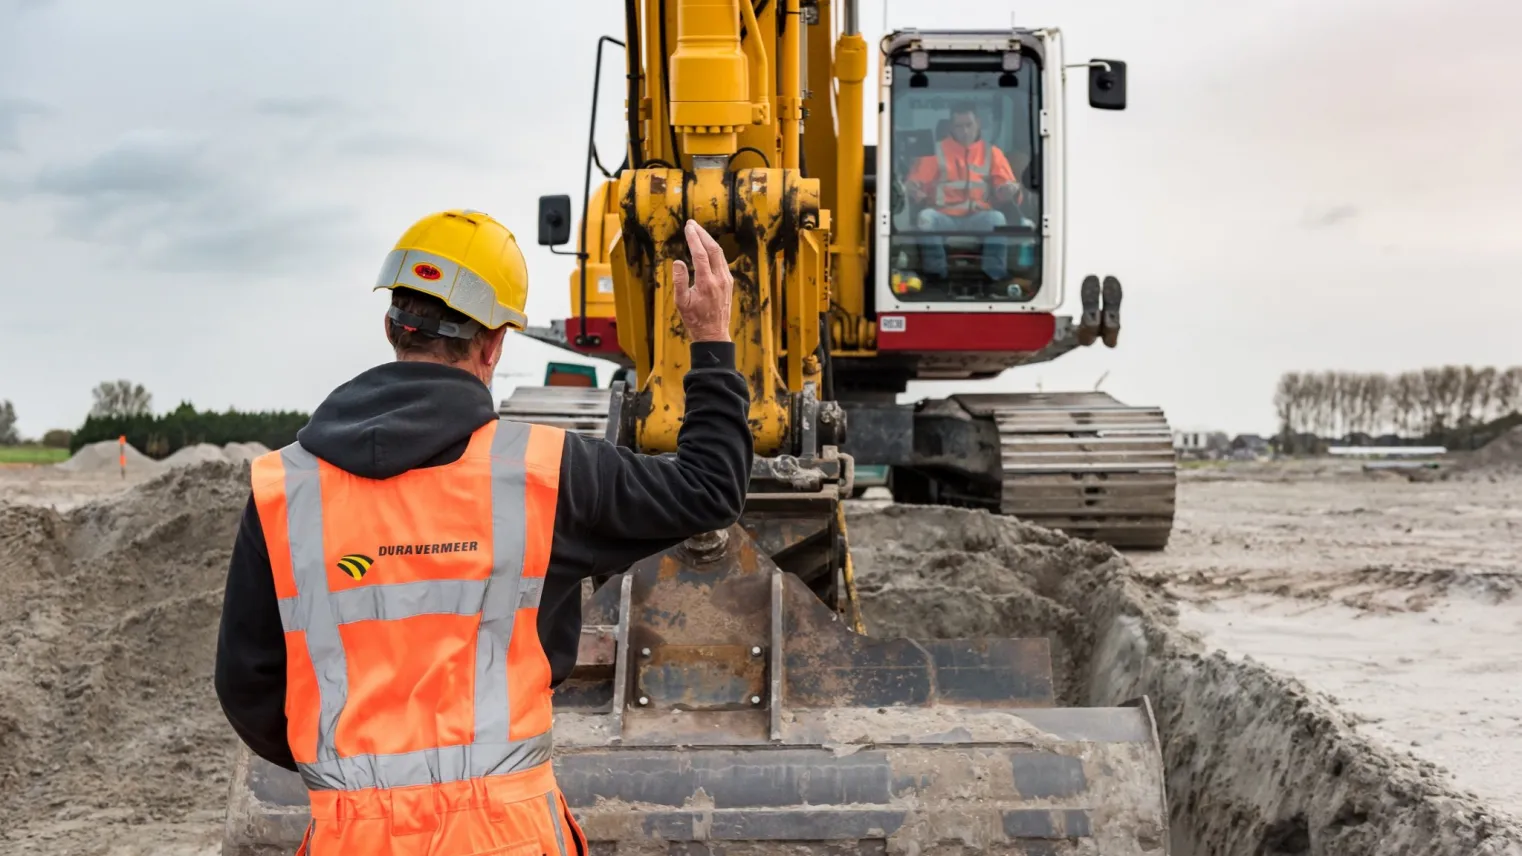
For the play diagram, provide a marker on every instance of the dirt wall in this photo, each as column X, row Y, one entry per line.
column 108, row 616
column 1256, row 764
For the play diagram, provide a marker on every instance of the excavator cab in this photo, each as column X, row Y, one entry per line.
column 961, row 147
column 970, row 200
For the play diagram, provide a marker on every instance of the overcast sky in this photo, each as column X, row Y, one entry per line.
column 197, row 196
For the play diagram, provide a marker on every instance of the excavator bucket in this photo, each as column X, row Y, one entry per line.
column 720, row 707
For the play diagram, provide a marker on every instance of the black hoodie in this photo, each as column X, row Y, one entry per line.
column 614, row 507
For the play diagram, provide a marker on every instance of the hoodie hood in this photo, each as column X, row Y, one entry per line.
column 397, row 417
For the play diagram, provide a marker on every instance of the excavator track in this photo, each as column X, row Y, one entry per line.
column 1085, row 464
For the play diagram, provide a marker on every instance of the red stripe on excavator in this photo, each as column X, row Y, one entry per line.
column 964, row 331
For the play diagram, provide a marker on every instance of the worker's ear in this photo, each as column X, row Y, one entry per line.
column 492, row 352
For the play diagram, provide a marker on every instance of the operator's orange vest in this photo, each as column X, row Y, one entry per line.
column 962, row 175
column 418, row 696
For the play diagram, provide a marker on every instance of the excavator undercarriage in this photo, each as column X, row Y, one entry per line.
column 1081, row 463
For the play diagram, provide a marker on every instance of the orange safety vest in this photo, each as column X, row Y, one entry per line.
column 961, row 176
column 418, row 696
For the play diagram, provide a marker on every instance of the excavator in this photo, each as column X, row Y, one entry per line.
column 728, row 697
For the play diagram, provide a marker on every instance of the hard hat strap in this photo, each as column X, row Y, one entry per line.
column 432, row 327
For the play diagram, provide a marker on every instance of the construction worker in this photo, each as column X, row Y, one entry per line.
column 404, row 590
column 954, row 184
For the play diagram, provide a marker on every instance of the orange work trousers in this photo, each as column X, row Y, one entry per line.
column 454, row 819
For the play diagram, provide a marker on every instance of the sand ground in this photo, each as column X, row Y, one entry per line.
column 1403, row 601
column 1396, row 599
column 54, row 488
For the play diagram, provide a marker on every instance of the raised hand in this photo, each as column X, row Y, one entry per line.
column 703, row 299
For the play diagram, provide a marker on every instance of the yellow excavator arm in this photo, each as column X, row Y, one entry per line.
column 714, row 141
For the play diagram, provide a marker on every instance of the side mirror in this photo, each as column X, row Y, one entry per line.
column 1107, row 88
column 554, row 220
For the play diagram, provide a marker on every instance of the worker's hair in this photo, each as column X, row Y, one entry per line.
column 960, row 107
column 416, row 342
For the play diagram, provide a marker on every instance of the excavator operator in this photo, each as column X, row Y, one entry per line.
column 405, row 588
column 953, row 186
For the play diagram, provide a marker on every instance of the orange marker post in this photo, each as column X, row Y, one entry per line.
column 121, row 445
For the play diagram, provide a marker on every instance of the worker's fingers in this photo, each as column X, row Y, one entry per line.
column 680, row 285
column 702, row 295
column 716, row 261
column 700, row 262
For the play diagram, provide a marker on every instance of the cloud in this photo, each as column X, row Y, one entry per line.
column 1326, row 218
column 141, row 164
column 300, row 107
column 391, row 144
column 12, row 111
column 328, row 126
column 167, row 201
column 251, row 240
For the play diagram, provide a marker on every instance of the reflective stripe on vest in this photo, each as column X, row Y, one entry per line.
column 289, row 484
column 977, row 174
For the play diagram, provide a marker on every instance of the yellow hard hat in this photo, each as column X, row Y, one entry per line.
column 466, row 259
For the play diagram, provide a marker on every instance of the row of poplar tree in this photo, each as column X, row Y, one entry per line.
column 1457, row 406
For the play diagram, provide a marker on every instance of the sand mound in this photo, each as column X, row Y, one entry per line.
column 1256, row 763
column 1500, row 458
column 200, row 453
column 240, row 452
column 104, row 457
column 108, row 622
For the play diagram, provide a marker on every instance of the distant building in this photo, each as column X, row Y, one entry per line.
column 1191, row 441
column 1200, row 443
column 1252, row 443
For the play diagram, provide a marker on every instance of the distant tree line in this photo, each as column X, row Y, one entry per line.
column 163, row 435
column 123, row 408
column 8, row 435
column 1456, row 406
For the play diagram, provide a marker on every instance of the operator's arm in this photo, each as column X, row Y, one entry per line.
column 250, row 669
column 616, row 505
column 1006, row 187
column 923, row 177
column 1002, row 174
